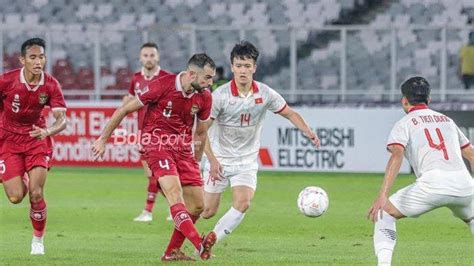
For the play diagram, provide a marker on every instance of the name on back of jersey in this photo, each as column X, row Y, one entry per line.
column 430, row 119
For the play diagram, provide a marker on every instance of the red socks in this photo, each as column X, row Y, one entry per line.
column 152, row 190
column 177, row 238
column 185, row 225
column 38, row 217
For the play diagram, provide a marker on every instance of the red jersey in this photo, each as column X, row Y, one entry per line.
column 171, row 114
column 23, row 104
column 1, row 112
column 139, row 82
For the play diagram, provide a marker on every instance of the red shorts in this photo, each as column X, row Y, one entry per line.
column 20, row 153
column 169, row 162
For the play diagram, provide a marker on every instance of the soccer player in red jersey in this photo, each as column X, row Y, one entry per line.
column 150, row 60
column 24, row 93
column 175, row 103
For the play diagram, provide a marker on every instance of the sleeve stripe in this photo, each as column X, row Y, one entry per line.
column 283, row 108
column 396, row 143
column 207, row 119
column 58, row 109
column 465, row 145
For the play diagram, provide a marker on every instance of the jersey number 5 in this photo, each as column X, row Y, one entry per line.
column 15, row 107
column 441, row 146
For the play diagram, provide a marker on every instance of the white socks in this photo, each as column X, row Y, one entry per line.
column 385, row 238
column 228, row 223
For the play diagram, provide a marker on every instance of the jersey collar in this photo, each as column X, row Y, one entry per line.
column 179, row 87
column 157, row 72
column 23, row 80
column 418, row 107
column 235, row 90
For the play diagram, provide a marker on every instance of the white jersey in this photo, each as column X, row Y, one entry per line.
column 433, row 144
column 236, row 139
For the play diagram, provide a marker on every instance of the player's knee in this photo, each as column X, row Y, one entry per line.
column 199, row 208
column 196, row 210
column 15, row 199
column 208, row 213
column 36, row 195
column 15, row 196
column 242, row 206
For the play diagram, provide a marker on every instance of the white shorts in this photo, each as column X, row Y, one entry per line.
column 235, row 175
column 412, row 201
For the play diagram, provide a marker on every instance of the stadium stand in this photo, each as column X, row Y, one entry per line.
column 73, row 30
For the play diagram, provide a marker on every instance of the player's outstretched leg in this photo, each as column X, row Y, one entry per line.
column 385, row 237
column 194, row 204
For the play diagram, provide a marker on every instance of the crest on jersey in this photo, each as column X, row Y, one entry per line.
column 43, row 98
column 194, row 109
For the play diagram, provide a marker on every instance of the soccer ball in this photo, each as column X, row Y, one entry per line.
column 313, row 201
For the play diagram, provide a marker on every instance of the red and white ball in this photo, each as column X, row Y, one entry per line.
column 313, row 201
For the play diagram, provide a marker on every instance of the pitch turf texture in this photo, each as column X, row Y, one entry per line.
column 90, row 214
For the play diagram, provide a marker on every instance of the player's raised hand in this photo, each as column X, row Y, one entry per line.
column 39, row 133
column 377, row 208
column 98, row 148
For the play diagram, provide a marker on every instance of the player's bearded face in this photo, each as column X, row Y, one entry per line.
column 149, row 57
column 203, row 79
column 34, row 59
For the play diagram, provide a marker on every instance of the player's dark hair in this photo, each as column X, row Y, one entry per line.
column 244, row 50
column 220, row 71
column 201, row 60
column 149, row 45
column 416, row 90
column 32, row 42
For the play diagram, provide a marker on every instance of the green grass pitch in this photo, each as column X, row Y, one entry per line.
column 90, row 214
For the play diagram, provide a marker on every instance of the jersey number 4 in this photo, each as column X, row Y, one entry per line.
column 164, row 164
column 441, row 146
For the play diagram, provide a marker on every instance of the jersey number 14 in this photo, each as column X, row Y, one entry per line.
column 244, row 119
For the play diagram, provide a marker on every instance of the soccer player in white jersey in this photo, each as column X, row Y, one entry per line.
column 238, row 109
column 434, row 147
